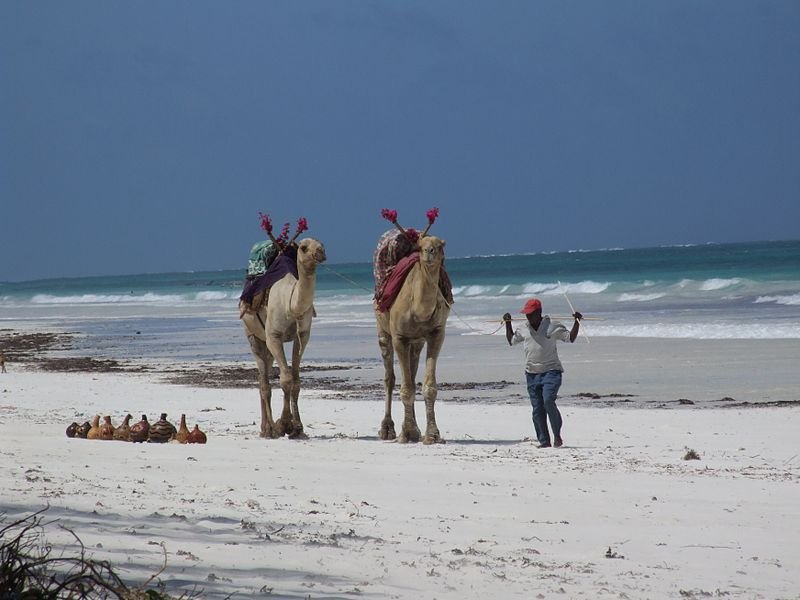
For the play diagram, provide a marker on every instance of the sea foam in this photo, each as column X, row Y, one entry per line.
column 716, row 283
column 793, row 300
column 639, row 297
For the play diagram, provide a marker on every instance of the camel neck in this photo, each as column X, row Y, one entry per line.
column 426, row 289
column 304, row 289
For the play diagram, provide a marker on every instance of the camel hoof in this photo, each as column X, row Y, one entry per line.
column 387, row 433
column 292, row 429
column 409, row 437
column 270, row 431
column 431, row 439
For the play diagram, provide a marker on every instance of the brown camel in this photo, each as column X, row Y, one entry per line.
column 416, row 318
column 284, row 317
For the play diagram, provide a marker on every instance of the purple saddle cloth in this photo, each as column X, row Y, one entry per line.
column 282, row 265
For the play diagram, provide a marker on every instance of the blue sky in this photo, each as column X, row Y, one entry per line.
column 146, row 136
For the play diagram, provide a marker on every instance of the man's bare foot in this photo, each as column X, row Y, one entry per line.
column 558, row 442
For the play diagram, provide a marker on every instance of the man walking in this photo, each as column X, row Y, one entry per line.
column 543, row 369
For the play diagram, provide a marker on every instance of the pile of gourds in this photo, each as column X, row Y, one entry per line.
column 160, row 432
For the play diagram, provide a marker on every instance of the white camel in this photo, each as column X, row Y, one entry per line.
column 416, row 318
column 285, row 317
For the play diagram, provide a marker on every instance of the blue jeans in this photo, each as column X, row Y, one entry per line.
column 543, row 389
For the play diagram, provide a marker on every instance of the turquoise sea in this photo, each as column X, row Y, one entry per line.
column 710, row 291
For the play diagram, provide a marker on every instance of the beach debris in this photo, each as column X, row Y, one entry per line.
column 162, row 431
column 183, row 432
column 595, row 396
column 141, row 430
column 699, row 593
column 186, row 554
column 72, row 430
column 613, row 554
column 107, row 429
column 94, row 430
column 691, row 455
column 685, row 401
column 196, row 436
column 123, row 432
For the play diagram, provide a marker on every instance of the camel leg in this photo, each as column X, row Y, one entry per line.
column 289, row 422
column 387, row 431
column 416, row 351
column 283, row 426
column 430, row 389
column 264, row 364
column 296, row 432
column 409, row 432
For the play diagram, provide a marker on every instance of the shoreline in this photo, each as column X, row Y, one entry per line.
column 629, row 373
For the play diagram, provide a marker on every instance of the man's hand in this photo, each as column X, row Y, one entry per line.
column 578, row 316
column 509, row 327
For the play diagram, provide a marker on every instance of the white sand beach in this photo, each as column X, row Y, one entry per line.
column 616, row 513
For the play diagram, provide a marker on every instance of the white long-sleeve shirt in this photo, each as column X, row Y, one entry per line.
column 541, row 354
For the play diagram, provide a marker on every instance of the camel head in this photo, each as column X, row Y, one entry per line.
column 431, row 250
column 310, row 253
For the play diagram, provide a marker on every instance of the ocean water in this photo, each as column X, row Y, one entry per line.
column 711, row 291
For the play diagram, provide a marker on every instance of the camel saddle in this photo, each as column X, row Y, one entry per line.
column 261, row 256
column 394, row 283
column 256, row 289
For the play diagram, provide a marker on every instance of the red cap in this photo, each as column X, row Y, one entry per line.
column 531, row 305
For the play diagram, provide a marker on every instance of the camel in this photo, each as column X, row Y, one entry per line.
column 284, row 317
column 416, row 318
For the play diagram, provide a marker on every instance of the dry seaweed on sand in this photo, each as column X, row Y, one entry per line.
column 28, row 569
column 691, row 454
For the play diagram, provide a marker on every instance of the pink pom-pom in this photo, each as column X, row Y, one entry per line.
column 389, row 215
column 432, row 214
column 266, row 224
